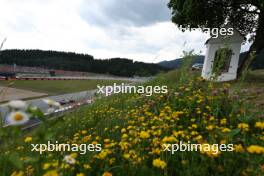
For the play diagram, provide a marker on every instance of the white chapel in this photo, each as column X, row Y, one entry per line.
column 231, row 45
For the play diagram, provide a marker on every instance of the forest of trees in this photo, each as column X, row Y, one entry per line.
column 78, row 62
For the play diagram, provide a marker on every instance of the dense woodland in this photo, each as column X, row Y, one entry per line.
column 78, row 62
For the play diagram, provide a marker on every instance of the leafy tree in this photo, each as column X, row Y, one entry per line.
column 78, row 62
column 247, row 16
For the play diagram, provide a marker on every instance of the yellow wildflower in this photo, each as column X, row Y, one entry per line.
column 80, row 174
column 103, row 154
column 106, row 140
column 243, row 126
column 126, row 155
column 259, row 125
column 46, row 166
column 107, row 174
column 255, row 149
column 84, row 132
column 28, row 139
column 223, row 121
column 169, row 139
column 51, row 173
column 238, row 148
column 86, row 138
column 124, row 136
column 210, row 150
column 225, row 130
column 159, row 163
column 210, row 127
column 17, row 173
column 123, row 130
column 144, row 134
column 111, row 161
column 87, row 166
column 194, row 126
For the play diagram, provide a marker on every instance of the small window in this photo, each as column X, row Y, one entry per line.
column 222, row 60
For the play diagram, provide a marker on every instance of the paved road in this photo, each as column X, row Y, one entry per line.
column 77, row 97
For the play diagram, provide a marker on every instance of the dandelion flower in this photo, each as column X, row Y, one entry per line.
column 210, row 127
column 46, row 166
column 243, row 126
column 238, row 148
column 144, row 134
column 102, row 154
column 226, row 130
column 80, row 174
column 159, row 163
column 107, row 174
column 87, row 166
column 123, row 130
column 17, row 173
column 28, row 139
column 259, row 125
column 17, row 118
column 126, row 155
column 51, row 173
column 255, row 149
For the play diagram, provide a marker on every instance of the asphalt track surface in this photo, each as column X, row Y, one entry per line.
column 78, row 98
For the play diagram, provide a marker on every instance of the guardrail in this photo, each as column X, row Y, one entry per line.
column 56, row 114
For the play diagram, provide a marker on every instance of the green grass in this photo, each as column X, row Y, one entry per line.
column 55, row 87
column 190, row 107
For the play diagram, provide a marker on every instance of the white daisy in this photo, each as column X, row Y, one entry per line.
column 17, row 118
column 18, row 105
column 69, row 159
column 51, row 102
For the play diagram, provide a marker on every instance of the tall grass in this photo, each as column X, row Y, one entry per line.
column 133, row 127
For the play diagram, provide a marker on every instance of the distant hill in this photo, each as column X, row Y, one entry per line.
column 70, row 61
column 258, row 63
column 176, row 63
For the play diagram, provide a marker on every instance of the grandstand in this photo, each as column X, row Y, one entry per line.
column 38, row 71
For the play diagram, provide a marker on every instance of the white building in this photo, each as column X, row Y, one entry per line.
column 228, row 67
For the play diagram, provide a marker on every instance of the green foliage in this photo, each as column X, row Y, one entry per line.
column 188, row 58
column 247, row 16
column 216, row 13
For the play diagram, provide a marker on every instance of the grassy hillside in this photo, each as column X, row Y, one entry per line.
column 133, row 128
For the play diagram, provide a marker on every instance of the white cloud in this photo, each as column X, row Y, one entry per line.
column 60, row 25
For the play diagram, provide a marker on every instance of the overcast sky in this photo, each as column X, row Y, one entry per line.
column 137, row 29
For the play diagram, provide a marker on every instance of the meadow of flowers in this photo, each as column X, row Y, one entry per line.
column 133, row 128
